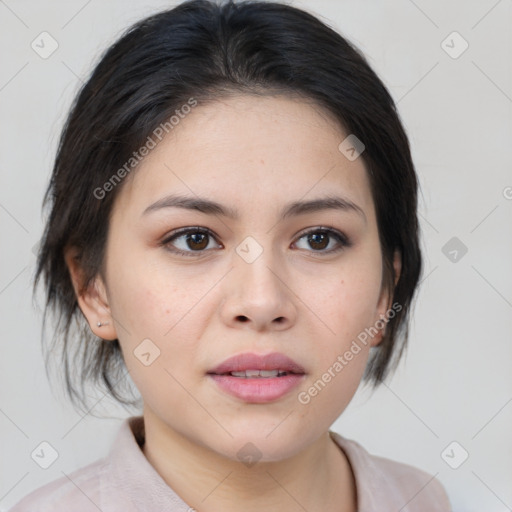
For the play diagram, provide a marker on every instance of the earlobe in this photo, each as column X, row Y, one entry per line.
column 385, row 301
column 92, row 299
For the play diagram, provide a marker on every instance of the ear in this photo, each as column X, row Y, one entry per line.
column 93, row 301
column 385, row 298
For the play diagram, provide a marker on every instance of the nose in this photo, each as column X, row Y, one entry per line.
column 259, row 296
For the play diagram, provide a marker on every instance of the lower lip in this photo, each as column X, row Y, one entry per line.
column 260, row 389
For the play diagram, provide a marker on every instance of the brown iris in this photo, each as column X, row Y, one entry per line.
column 197, row 241
column 319, row 240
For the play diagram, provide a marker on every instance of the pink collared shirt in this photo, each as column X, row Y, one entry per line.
column 125, row 481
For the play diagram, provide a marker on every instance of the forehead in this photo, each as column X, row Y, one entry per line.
column 250, row 150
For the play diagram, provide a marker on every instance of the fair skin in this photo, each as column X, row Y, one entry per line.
column 253, row 155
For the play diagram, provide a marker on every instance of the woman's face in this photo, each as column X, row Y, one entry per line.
column 246, row 277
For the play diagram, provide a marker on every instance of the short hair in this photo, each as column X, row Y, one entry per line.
column 206, row 51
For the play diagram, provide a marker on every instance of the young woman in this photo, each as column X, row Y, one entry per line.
column 233, row 223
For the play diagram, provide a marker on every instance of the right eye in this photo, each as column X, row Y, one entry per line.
column 187, row 241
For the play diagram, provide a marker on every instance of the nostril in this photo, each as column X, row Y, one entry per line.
column 242, row 318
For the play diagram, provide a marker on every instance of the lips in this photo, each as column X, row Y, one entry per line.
column 258, row 366
column 257, row 379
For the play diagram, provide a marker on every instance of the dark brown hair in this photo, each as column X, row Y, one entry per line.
column 204, row 50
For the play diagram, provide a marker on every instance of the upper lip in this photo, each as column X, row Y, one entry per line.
column 249, row 361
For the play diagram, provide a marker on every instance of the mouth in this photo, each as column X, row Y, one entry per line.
column 255, row 374
column 255, row 378
column 250, row 365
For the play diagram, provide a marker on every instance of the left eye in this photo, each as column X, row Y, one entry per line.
column 320, row 239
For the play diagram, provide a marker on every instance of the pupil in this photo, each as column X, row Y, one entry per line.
column 194, row 239
column 315, row 239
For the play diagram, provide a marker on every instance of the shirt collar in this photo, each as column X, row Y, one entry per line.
column 371, row 486
column 134, row 479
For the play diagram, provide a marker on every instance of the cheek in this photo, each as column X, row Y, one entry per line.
column 157, row 336
column 139, row 306
column 349, row 303
column 331, row 388
column 340, row 356
column 149, row 302
column 150, row 297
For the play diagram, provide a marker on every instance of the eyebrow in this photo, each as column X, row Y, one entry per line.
column 210, row 207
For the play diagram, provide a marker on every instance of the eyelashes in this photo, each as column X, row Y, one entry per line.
column 189, row 234
column 195, row 241
column 316, row 237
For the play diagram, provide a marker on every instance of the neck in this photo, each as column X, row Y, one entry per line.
column 317, row 478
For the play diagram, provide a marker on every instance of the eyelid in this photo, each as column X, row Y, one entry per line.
column 187, row 229
column 183, row 231
column 329, row 229
column 341, row 237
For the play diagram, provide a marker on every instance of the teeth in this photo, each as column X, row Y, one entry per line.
column 252, row 373
column 258, row 373
column 239, row 374
column 269, row 373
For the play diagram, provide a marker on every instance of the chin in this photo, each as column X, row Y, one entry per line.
column 264, row 442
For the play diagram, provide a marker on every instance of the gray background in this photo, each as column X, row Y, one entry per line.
column 455, row 383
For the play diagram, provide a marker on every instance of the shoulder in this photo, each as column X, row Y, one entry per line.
column 78, row 491
column 108, row 484
column 381, row 481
